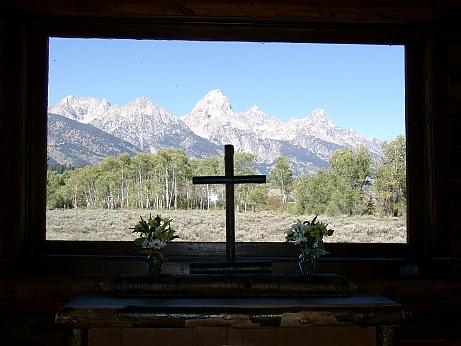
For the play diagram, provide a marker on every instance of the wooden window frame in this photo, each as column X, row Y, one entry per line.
column 34, row 110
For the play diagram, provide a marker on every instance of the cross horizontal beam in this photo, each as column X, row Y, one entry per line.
column 237, row 179
column 229, row 180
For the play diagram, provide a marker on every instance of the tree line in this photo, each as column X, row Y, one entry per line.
column 354, row 183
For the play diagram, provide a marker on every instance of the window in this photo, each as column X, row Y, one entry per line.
column 195, row 33
column 115, row 154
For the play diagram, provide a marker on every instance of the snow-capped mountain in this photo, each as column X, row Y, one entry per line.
column 213, row 113
column 82, row 109
column 255, row 131
column 252, row 131
column 307, row 142
column 318, row 126
column 141, row 123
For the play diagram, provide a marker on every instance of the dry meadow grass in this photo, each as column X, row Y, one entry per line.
column 209, row 225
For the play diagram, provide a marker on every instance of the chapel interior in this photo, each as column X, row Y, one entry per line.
column 38, row 277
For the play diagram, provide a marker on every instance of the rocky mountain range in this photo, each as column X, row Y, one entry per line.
column 143, row 126
column 78, row 144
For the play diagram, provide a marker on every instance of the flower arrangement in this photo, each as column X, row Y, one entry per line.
column 309, row 236
column 153, row 236
column 154, row 233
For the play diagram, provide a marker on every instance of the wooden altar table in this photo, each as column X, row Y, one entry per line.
column 102, row 311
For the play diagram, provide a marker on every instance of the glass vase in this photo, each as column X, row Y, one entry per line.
column 306, row 262
column 155, row 263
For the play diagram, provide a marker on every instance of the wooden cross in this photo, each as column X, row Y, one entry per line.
column 229, row 179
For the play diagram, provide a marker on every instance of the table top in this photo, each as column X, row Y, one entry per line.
column 249, row 312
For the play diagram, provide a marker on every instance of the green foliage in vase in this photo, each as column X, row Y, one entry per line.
column 154, row 233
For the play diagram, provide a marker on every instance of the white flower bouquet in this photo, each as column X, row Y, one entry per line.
column 309, row 237
column 154, row 233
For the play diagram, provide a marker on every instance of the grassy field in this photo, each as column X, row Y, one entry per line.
column 209, row 225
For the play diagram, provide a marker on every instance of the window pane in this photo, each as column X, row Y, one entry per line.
column 132, row 121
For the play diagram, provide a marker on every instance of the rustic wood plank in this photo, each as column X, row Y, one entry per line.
column 12, row 139
column 247, row 313
column 174, row 337
column 96, row 336
column 104, row 336
column 332, row 9
column 232, row 285
column 138, row 337
column 78, row 337
column 256, row 337
column 203, row 251
column 319, row 336
column 358, row 336
column 234, row 336
column 337, row 336
column 113, row 337
column 209, row 336
column 416, row 138
column 293, row 336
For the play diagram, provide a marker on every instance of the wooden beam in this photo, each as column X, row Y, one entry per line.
column 240, row 9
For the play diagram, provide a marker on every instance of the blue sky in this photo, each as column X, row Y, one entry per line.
column 359, row 86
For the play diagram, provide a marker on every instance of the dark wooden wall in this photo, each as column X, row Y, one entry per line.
column 427, row 281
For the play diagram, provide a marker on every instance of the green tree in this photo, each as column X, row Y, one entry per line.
column 354, row 167
column 143, row 181
column 257, row 195
column 248, row 195
column 313, row 193
column 205, row 195
column 281, row 176
column 117, row 170
column 244, row 163
column 73, row 190
column 55, row 194
column 352, row 171
column 390, row 180
column 174, row 172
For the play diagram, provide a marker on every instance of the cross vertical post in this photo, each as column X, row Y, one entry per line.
column 229, row 180
column 230, row 206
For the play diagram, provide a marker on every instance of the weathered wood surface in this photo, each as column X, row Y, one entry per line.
column 240, row 9
column 238, row 285
column 202, row 251
column 102, row 311
column 218, row 336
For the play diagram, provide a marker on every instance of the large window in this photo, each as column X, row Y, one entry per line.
column 130, row 122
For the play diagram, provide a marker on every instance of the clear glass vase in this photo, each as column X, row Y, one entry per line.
column 307, row 262
column 155, row 262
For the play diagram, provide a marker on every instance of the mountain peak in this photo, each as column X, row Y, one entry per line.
column 215, row 93
column 142, row 101
column 82, row 109
column 319, row 114
column 255, row 108
column 216, row 97
column 214, row 103
column 69, row 98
